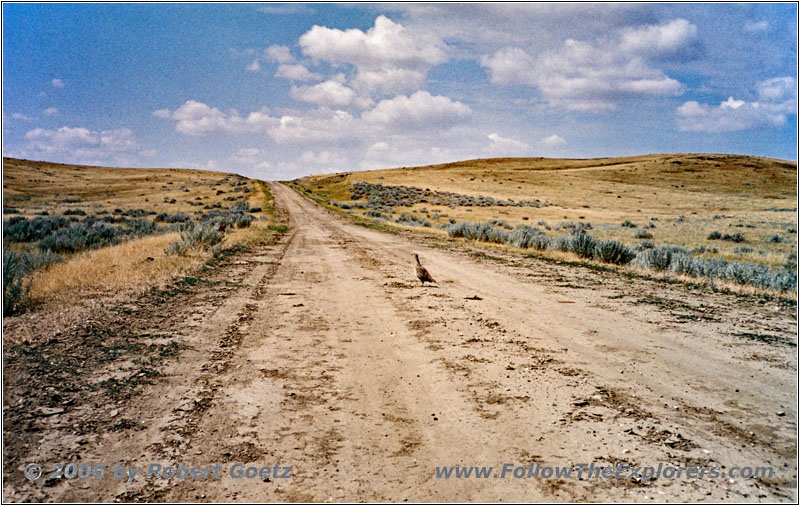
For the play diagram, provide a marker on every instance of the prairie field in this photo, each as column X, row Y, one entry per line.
column 733, row 208
column 147, row 206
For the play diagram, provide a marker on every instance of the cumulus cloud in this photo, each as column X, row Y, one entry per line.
column 505, row 146
column 780, row 90
column 198, row 119
column 777, row 99
column 246, row 155
column 420, row 110
column 254, row 67
column 674, row 40
column 320, row 126
column 330, row 94
column 296, row 72
column 57, row 83
column 581, row 76
column 421, row 117
column 554, row 141
column 21, row 117
column 531, row 23
column 402, row 151
column 50, row 111
column 279, row 54
column 82, row 142
column 251, row 157
column 324, row 159
column 162, row 113
column 388, row 58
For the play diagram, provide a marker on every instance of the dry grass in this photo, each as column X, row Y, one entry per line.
column 33, row 186
column 133, row 266
column 121, row 267
column 686, row 197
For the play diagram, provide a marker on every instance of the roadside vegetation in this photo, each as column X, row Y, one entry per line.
column 72, row 229
column 731, row 220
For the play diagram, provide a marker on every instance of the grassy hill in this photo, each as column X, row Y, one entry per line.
column 73, row 229
column 728, row 207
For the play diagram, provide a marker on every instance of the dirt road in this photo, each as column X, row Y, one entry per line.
column 329, row 357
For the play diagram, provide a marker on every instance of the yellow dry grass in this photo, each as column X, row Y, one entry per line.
column 684, row 196
column 121, row 267
column 33, row 187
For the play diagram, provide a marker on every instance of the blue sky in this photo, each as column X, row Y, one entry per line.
column 282, row 90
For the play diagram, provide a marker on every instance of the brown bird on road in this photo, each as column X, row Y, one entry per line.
column 422, row 272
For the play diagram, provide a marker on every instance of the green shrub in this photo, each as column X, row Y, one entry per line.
column 195, row 236
column 80, row 237
column 412, row 220
column 15, row 290
column 583, row 244
column 529, row 237
column 737, row 237
column 613, row 252
column 20, row 229
column 173, row 218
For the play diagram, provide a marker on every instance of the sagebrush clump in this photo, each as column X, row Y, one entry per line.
column 195, row 236
column 673, row 260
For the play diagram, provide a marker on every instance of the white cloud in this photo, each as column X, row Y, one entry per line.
column 198, row 119
column 505, row 146
column 82, row 143
column 320, row 126
column 420, row 110
column 57, row 83
column 388, row 58
column 296, row 72
column 535, row 25
column 324, row 159
column 162, row 113
column 779, row 90
column 254, row 67
column 554, row 141
column 148, row 153
column 251, row 157
column 247, row 153
column 286, row 9
column 50, row 111
column 279, row 54
column 330, row 94
column 756, row 26
column 695, row 117
column 731, row 103
column 21, row 117
column 403, row 151
column 777, row 99
column 676, row 39
column 510, row 65
column 580, row 76
column 117, row 140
